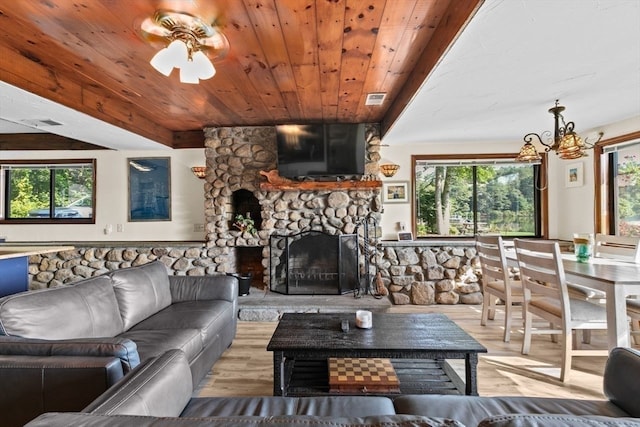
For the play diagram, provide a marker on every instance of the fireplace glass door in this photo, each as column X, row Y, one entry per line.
column 314, row 263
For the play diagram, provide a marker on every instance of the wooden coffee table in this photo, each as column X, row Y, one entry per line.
column 418, row 345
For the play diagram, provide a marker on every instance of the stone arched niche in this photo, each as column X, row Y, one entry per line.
column 245, row 203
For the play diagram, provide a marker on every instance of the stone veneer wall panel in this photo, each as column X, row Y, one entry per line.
column 62, row 268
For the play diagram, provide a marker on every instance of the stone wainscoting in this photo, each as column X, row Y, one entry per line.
column 422, row 273
column 425, row 273
column 62, row 268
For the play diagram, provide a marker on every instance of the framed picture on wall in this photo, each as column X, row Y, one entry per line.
column 395, row 192
column 574, row 175
column 149, row 189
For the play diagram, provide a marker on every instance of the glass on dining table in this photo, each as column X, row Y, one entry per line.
column 583, row 246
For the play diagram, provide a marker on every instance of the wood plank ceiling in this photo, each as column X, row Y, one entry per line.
column 290, row 61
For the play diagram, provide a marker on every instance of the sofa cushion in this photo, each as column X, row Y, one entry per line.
column 86, row 310
column 325, row 406
column 621, row 383
column 209, row 317
column 141, row 291
column 89, row 420
column 152, row 343
column 470, row 410
column 553, row 420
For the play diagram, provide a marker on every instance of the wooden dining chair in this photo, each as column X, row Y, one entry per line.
column 546, row 296
column 633, row 311
column 496, row 281
column 623, row 248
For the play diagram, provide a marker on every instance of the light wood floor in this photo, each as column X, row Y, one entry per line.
column 246, row 369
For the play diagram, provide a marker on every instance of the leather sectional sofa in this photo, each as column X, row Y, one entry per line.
column 60, row 348
column 158, row 393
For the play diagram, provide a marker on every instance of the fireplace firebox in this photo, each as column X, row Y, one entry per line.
column 314, row 263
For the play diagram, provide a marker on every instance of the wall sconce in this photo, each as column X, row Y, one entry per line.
column 565, row 142
column 199, row 171
column 389, row 169
column 188, row 44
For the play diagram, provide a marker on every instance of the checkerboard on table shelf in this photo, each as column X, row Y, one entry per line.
column 362, row 375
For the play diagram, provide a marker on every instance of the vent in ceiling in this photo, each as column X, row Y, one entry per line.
column 37, row 123
column 375, row 98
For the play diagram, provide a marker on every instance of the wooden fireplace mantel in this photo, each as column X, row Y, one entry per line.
column 319, row 185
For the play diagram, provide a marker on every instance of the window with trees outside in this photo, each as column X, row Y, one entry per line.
column 48, row 191
column 620, row 165
column 462, row 196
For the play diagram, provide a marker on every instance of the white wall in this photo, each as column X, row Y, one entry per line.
column 187, row 200
column 571, row 209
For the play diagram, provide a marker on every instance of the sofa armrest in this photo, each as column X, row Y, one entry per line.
column 195, row 288
column 159, row 387
column 121, row 348
column 556, row 420
column 620, row 383
column 32, row 385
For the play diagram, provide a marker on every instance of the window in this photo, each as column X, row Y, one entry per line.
column 48, row 191
column 462, row 196
column 619, row 164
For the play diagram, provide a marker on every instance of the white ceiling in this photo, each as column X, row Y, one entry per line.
column 515, row 58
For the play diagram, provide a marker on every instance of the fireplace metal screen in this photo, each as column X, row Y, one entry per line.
column 314, row 263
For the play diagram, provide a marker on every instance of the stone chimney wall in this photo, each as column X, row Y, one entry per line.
column 235, row 156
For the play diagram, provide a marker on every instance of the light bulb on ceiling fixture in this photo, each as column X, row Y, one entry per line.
column 206, row 70
column 170, row 57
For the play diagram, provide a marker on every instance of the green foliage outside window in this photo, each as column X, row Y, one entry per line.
column 475, row 198
column 30, row 188
column 627, row 191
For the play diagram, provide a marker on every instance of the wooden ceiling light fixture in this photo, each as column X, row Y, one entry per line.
column 188, row 43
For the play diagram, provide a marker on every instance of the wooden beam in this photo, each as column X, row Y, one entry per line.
column 188, row 139
column 451, row 26
column 43, row 141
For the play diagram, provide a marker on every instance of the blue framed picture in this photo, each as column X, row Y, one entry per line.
column 149, row 189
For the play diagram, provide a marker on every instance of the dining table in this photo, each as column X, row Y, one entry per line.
column 617, row 279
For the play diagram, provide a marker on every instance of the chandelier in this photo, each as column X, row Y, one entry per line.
column 564, row 141
column 188, row 44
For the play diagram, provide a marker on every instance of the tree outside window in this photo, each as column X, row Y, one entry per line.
column 42, row 192
column 625, row 190
column 467, row 197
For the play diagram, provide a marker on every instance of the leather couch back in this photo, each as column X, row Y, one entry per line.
column 141, row 291
column 621, row 385
column 86, row 310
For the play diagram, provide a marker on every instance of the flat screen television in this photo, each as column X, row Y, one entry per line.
column 321, row 150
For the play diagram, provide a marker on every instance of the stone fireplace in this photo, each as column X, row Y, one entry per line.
column 235, row 156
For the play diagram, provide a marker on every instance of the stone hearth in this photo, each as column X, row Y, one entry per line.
column 268, row 306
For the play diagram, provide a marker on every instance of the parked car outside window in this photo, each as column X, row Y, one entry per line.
column 80, row 208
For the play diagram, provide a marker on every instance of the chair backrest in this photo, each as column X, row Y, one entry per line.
column 622, row 248
column 493, row 261
column 541, row 270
